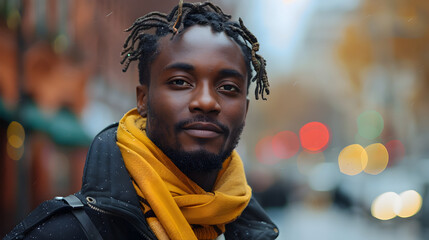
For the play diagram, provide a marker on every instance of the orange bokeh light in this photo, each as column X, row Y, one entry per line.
column 378, row 158
column 314, row 136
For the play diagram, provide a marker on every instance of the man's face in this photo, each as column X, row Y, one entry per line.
column 196, row 102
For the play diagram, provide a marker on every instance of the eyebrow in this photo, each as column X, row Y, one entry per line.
column 231, row 73
column 179, row 65
column 188, row 67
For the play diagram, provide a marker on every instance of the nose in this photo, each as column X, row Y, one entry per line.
column 204, row 99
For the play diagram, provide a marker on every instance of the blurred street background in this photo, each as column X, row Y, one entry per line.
column 340, row 150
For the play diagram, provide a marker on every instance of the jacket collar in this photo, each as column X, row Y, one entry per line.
column 105, row 174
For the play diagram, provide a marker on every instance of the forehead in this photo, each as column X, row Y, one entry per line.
column 198, row 36
column 199, row 44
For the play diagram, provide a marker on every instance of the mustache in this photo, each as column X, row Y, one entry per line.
column 201, row 118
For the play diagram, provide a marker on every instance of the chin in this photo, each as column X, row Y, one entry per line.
column 197, row 161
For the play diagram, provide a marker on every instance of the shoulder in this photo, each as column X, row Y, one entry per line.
column 104, row 142
column 61, row 226
column 39, row 225
column 65, row 225
column 107, row 134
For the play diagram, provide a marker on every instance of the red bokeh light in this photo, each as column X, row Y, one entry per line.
column 264, row 152
column 314, row 136
column 396, row 151
column 285, row 144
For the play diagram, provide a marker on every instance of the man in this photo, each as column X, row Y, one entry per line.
column 168, row 170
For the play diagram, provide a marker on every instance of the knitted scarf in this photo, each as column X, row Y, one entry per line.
column 175, row 207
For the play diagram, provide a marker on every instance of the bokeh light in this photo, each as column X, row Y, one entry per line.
column 13, row 19
column 370, row 124
column 264, row 151
column 314, row 136
column 285, row 144
column 383, row 206
column 389, row 205
column 306, row 161
column 409, row 204
column 396, row 151
column 352, row 159
column 377, row 158
column 60, row 43
column 15, row 140
column 15, row 134
column 14, row 153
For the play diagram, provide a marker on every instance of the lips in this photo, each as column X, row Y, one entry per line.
column 203, row 130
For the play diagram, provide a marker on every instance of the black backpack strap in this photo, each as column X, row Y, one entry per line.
column 90, row 230
column 48, row 209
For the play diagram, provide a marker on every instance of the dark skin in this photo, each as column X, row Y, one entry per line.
column 197, row 96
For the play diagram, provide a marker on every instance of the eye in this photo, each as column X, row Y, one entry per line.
column 179, row 83
column 229, row 88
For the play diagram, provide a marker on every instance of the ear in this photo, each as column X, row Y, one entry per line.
column 141, row 91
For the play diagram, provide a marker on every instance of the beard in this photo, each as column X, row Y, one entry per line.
column 201, row 160
column 193, row 161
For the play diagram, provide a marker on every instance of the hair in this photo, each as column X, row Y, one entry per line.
column 142, row 43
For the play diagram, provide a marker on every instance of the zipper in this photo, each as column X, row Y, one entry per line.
column 91, row 201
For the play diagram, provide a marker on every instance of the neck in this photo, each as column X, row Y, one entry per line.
column 205, row 180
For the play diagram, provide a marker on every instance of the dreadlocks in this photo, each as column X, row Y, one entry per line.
column 142, row 45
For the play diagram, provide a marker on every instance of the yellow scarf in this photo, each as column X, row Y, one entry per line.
column 175, row 207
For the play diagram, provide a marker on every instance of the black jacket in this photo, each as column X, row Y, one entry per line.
column 110, row 201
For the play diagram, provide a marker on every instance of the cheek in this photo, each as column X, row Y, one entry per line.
column 167, row 106
column 236, row 113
